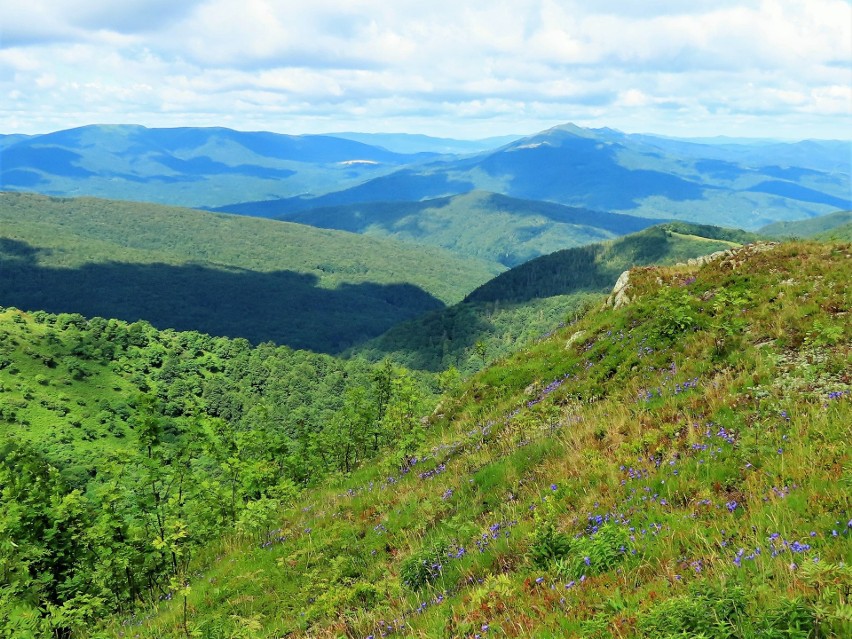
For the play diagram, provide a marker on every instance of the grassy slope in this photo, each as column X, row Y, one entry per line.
column 838, row 233
column 598, row 266
column 533, row 299
column 823, row 224
column 220, row 274
column 674, row 467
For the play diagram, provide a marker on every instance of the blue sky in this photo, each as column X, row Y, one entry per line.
column 467, row 69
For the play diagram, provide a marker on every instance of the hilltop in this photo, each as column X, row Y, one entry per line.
column 534, row 298
column 240, row 277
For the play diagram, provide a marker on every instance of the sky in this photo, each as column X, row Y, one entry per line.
column 454, row 68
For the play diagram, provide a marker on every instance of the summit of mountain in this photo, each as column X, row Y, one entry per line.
column 604, row 169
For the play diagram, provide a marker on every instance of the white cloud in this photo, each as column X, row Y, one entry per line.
column 444, row 67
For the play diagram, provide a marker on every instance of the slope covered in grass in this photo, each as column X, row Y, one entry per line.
column 533, row 299
column 842, row 232
column 241, row 277
column 599, row 265
column 810, row 227
column 678, row 466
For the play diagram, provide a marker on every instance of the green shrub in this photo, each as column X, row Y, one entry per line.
column 676, row 314
column 790, row 619
column 548, row 544
column 595, row 554
column 715, row 613
column 424, row 567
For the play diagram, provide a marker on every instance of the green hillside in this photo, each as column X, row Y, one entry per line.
column 478, row 224
column 842, row 232
column 675, row 467
column 242, row 277
column 124, row 450
column 823, row 224
column 598, row 266
column 533, row 299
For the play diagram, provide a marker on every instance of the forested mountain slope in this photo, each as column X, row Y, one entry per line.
column 241, row 277
column 190, row 166
column 478, row 224
column 602, row 169
column 598, row 265
column 533, row 299
column 124, row 450
column 678, row 466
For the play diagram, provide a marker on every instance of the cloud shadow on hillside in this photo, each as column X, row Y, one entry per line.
column 285, row 307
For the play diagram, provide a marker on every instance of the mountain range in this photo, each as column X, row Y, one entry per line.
column 265, row 174
column 637, row 175
column 188, row 166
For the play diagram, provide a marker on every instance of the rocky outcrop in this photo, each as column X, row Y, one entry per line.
column 733, row 257
column 619, row 296
column 704, row 259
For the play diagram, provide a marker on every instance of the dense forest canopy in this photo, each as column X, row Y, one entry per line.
column 220, row 274
column 125, row 449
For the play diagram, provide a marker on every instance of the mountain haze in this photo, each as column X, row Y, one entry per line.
column 416, row 143
column 267, row 174
column 188, row 166
column 604, row 169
